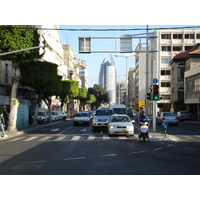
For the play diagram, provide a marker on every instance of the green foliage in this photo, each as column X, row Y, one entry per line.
column 71, row 88
column 16, row 37
column 100, row 94
column 82, row 93
column 41, row 76
column 91, row 99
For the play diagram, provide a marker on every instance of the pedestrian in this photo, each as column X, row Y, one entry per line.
column 164, row 126
column 2, row 124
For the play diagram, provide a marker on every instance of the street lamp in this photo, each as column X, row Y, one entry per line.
column 126, row 56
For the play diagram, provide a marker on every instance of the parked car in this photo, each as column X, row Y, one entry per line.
column 42, row 116
column 184, row 115
column 101, row 118
column 169, row 117
column 120, row 124
column 62, row 115
column 82, row 118
column 54, row 116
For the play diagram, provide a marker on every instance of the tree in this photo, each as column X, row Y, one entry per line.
column 100, row 94
column 13, row 38
column 42, row 77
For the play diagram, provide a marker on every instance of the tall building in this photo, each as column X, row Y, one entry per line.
column 107, row 78
column 168, row 42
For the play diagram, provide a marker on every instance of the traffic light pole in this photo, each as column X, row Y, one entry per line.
column 154, row 115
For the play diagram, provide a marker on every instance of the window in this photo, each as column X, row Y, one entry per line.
column 6, row 73
column 165, row 84
column 189, row 36
column 177, row 48
column 165, row 36
column 166, row 48
column 198, row 36
column 165, row 60
column 187, row 48
column 165, row 72
column 181, row 71
column 177, row 36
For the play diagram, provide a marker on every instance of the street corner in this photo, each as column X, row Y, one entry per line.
column 158, row 136
column 10, row 135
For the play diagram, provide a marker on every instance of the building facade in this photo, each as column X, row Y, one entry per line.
column 167, row 43
column 107, row 79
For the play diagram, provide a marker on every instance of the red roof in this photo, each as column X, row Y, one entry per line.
column 180, row 55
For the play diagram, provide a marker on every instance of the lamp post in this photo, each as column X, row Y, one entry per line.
column 126, row 56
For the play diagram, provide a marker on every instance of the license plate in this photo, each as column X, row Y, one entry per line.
column 121, row 130
column 170, row 121
column 102, row 124
column 80, row 122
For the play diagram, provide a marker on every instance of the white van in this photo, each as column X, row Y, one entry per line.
column 43, row 115
column 118, row 109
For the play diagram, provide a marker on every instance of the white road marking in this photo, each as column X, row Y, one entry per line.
column 15, row 139
column 122, row 138
column 30, row 138
column 137, row 152
column 77, row 158
column 76, row 137
column 157, row 149
column 61, row 132
column 60, row 138
column 105, row 137
column 45, row 138
column 108, row 155
column 69, row 127
column 91, row 137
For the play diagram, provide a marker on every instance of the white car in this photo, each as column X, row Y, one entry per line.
column 120, row 124
column 82, row 118
column 54, row 116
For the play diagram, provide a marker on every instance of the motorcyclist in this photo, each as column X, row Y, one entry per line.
column 143, row 118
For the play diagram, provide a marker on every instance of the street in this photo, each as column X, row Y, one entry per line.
column 60, row 148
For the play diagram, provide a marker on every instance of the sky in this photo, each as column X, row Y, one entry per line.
column 94, row 60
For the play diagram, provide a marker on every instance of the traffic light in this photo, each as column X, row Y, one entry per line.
column 148, row 95
column 155, row 92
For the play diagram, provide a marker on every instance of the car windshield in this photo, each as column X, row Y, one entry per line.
column 120, row 119
column 82, row 115
column 103, row 112
column 119, row 110
column 40, row 113
column 169, row 114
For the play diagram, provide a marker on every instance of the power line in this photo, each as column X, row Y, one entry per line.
column 96, row 29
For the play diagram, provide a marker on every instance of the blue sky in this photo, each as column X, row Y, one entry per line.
column 94, row 60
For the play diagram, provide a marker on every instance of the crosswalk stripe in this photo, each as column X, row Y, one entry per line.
column 91, row 137
column 45, row 138
column 15, row 139
column 105, row 137
column 122, row 138
column 76, row 137
column 60, row 138
column 30, row 138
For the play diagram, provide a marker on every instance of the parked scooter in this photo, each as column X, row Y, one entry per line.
column 144, row 131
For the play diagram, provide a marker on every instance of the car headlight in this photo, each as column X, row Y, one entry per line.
column 112, row 127
column 129, row 127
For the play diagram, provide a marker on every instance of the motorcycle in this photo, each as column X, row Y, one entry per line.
column 144, row 131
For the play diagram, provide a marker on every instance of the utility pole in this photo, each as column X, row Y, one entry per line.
column 147, row 74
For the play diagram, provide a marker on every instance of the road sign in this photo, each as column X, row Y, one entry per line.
column 141, row 104
column 155, row 81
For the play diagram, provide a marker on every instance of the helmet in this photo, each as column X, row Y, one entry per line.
column 143, row 113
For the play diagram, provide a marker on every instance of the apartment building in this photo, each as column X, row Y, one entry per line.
column 167, row 43
column 185, row 68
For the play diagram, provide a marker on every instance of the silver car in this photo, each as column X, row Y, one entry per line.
column 184, row 115
column 168, row 117
column 101, row 118
column 120, row 124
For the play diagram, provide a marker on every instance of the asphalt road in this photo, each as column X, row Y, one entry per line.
column 62, row 149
